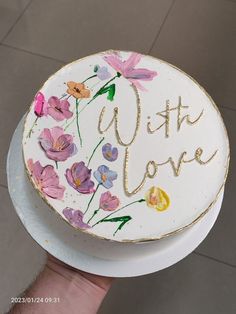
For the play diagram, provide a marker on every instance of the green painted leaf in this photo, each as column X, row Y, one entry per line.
column 96, row 67
column 111, row 89
column 111, row 92
column 141, row 200
column 123, row 220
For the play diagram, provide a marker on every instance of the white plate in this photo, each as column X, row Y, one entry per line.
column 89, row 254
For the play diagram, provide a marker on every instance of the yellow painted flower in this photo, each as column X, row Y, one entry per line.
column 157, row 198
column 78, row 90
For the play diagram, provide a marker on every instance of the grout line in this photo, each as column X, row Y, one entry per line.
column 232, row 1
column 33, row 53
column 228, row 108
column 215, row 259
column 160, row 29
column 13, row 25
column 3, row 186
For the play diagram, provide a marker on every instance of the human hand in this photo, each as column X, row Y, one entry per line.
column 69, row 273
column 72, row 290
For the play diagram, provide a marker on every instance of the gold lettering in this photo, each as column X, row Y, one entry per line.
column 151, row 171
column 198, row 154
column 101, row 118
column 166, row 115
column 115, row 121
column 175, row 168
column 152, row 167
column 186, row 117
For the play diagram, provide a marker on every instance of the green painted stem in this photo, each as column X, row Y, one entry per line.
column 95, row 150
column 31, row 130
column 77, row 120
column 64, row 95
column 112, row 79
column 56, row 164
column 104, row 218
column 92, row 198
column 95, row 213
column 92, row 76
column 98, row 92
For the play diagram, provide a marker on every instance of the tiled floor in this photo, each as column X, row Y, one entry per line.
column 199, row 36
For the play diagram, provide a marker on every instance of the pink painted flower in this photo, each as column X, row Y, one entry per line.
column 109, row 202
column 75, row 218
column 40, row 105
column 57, row 145
column 46, row 179
column 59, row 109
column 78, row 176
column 127, row 69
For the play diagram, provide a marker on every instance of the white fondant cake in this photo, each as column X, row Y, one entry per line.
column 125, row 146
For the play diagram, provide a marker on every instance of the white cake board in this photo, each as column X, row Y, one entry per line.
column 85, row 252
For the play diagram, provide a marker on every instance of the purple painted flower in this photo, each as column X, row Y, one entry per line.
column 105, row 176
column 57, row 145
column 78, row 176
column 128, row 70
column 102, row 72
column 59, row 109
column 46, row 179
column 40, row 105
column 75, row 217
column 109, row 153
column 109, row 202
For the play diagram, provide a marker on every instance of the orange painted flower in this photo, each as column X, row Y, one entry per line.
column 78, row 90
column 157, row 198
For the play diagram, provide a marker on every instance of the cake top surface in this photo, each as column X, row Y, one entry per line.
column 125, row 146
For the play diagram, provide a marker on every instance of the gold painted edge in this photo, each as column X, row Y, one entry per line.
column 139, row 240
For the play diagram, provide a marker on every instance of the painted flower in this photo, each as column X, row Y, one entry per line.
column 78, row 90
column 109, row 153
column 57, row 145
column 157, row 198
column 78, row 176
column 127, row 69
column 75, row 217
column 109, row 202
column 102, row 72
column 105, row 176
column 40, row 105
column 46, row 179
column 59, row 109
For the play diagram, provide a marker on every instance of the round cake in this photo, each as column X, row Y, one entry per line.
column 125, row 147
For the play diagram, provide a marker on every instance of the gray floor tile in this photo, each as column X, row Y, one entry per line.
column 195, row 285
column 21, row 76
column 220, row 243
column 199, row 37
column 3, row 177
column 21, row 258
column 70, row 29
column 10, row 11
